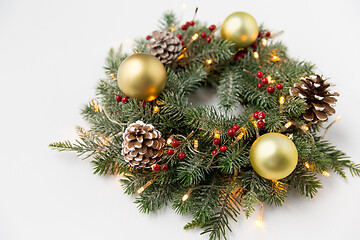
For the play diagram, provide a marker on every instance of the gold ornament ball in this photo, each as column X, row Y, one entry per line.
column 273, row 156
column 141, row 76
column 240, row 28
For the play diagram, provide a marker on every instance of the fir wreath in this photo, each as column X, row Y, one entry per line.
column 195, row 175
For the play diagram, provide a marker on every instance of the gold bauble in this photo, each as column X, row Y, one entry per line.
column 141, row 76
column 273, row 156
column 240, row 28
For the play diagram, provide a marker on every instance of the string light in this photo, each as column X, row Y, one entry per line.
column 141, row 189
column 264, row 42
column 241, row 134
column 195, row 36
column 325, row 173
column 260, row 222
column 307, row 165
column 112, row 76
column 181, row 56
column 156, row 109
column 169, row 141
column 275, row 58
column 186, row 195
column 256, row 55
column 282, row 100
column 209, row 61
column 172, row 29
column 270, row 80
column 196, row 144
column 305, row 128
column 287, row 125
column 337, row 118
column 216, row 134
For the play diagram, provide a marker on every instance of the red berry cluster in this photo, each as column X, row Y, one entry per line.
column 259, row 116
column 263, row 81
column 240, row 55
column 119, row 98
column 208, row 38
column 156, row 167
column 231, row 132
column 175, row 144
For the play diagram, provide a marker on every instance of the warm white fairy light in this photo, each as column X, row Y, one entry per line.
column 209, row 61
column 305, row 128
column 287, row 125
column 307, row 165
column 325, row 173
column 141, row 189
column 282, row 100
column 264, row 42
column 216, row 134
column 156, row 109
column 196, row 144
column 186, row 195
column 260, row 222
column 256, row 55
column 195, row 36
column 169, row 141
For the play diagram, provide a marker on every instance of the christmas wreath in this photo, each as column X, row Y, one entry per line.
column 211, row 162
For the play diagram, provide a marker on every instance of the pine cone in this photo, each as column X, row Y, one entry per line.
column 166, row 47
column 143, row 145
column 320, row 101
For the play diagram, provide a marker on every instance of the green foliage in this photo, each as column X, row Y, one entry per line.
column 222, row 185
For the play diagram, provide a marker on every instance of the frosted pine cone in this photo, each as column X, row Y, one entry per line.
column 143, row 145
column 320, row 101
column 166, row 47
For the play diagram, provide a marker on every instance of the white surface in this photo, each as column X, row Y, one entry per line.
column 51, row 56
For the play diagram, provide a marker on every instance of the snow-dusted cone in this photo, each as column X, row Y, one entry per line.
column 165, row 46
column 143, row 145
column 320, row 101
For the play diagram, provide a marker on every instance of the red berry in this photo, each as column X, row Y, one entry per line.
column 217, row 141
column 259, row 85
column 187, row 24
column 179, row 36
column 208, row 39
column 213, row 152
column 242, row 55
column 156, row 167
column 254, row 45
column 262, row 115
column 192, row 23
column 170, row 151
column 148, row 37
column 268, row 34
column 124, row 100
column 181, row 156
column 184, row 27
column 212, row 27
column 260, row 124
column 182, row 42
column 165, row 167
column 265, row 81
column 236, row 127
column 270, row 89
column 237, row 57
column 118, row 98
column 279, row 86
column 203, row 35
column 231, row 132
column 260, row 34
column 256, row 115
column 260, row 74
column 175, row 143
column 223, row 148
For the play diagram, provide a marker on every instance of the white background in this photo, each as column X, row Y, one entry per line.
column 51, row 56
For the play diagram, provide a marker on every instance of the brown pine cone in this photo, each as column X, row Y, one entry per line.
column 320, row 101
column 165, row 46
column 143, row 145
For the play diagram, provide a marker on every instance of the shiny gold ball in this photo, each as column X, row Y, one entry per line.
column 240, row 28
column 273, row 156
column 141, row 76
